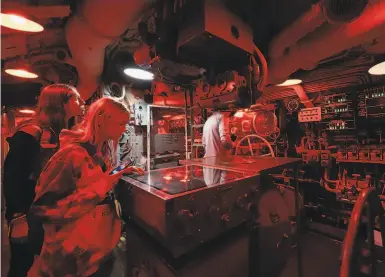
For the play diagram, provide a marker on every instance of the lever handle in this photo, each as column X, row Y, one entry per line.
column 282, row 241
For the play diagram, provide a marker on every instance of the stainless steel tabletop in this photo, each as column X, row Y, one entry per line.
column 169, row 183
column 244, row 163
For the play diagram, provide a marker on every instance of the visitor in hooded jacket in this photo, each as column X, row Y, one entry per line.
column 73, row 198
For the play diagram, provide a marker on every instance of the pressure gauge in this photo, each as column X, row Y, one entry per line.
column 292, row 105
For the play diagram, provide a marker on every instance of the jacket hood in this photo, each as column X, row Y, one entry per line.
column 69, row 136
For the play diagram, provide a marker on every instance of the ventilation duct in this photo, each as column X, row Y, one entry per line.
column 95, row 25
column 304, row 25
column 303, row 96
column 343, row 11
column 308, row 40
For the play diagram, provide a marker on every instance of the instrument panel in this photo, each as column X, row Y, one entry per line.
column 248, row 122
column 343, row 152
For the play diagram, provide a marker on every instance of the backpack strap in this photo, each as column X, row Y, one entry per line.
column 33, row 129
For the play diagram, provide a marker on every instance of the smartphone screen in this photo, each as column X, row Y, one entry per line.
column 119, row 168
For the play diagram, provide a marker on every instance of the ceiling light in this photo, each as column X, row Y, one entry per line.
column 378, row 69
column 139, row 74
column 22, row 73
column 20, row 23
column 290, row 82
column 27, row 111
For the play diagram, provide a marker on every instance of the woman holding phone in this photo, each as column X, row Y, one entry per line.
column 79, row 218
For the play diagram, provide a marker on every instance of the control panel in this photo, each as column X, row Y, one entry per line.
column 140, row 112
column 345, row 146
column 310, row 115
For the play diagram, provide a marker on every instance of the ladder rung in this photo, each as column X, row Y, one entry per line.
column 197, row 144
column 198, row 126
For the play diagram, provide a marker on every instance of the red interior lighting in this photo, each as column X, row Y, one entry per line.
column 22, row 73
column 290, row 82
column 378, row 69
column 20, row 23
column 27, row 111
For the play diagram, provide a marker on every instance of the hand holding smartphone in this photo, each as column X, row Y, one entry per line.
column 122, row 169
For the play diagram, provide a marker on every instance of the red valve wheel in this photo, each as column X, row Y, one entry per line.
column 248, row 137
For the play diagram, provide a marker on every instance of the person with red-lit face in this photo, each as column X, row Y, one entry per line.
column 74, row 106
column 114, row 130
column 75, row 185
column 57, row 103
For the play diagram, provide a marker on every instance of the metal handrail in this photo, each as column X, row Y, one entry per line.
column 368, row 198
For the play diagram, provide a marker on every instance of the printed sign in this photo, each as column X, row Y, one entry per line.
column 310, row 115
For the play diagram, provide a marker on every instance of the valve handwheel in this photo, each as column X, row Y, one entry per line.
column 358, row 252
column 251, row 147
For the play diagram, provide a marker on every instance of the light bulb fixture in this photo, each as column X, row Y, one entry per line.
column 290, row 82
column 20, row 23
column 378, row 69
column 139, row 74
column 21, row 73
column 26, row 111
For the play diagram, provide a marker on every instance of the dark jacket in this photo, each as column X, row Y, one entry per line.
column 22, row 167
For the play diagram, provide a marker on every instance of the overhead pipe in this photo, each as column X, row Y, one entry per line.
column 260, row 75
column 95, row 25
column 304, row 25
column 303, row 96
column 299, row 90
column 329, row 40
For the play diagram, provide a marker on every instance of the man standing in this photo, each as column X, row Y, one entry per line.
column 216, row 139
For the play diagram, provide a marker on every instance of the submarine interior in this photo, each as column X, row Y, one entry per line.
column 301, row 192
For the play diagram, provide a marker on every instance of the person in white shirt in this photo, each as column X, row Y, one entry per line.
column 216, row 139
column 213, row 176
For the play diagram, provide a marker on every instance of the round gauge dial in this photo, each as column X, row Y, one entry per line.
column 116, row 90
column 292, row 105
column 264, row 123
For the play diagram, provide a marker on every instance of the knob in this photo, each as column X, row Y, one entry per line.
column 283, row 241
column 242, row 201
column 185, row 215
column 225, row 218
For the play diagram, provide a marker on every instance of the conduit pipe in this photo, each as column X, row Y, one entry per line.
column 329, row 40
column 302, row 96
column 327, row 181
column 259, row 74
column 96, row 24
column 326, row 177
